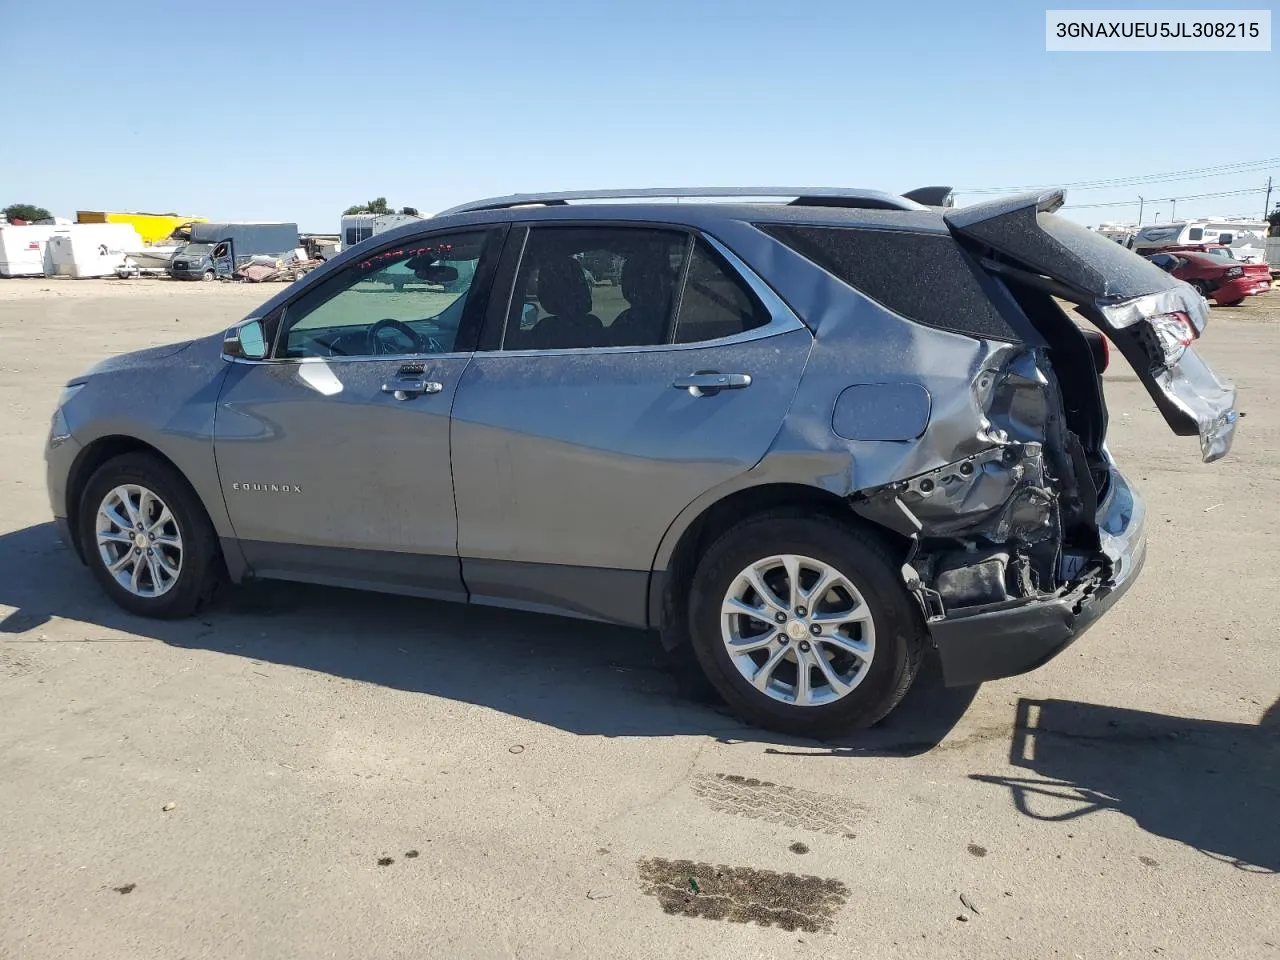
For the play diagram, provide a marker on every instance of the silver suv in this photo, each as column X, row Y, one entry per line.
column 811, row 437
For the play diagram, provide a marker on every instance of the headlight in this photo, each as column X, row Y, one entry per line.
column 1233, row 272
column 69, row 391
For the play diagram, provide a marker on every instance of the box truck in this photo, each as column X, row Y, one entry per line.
column 218, row 249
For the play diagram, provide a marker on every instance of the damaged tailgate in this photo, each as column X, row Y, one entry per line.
column 1150, row 316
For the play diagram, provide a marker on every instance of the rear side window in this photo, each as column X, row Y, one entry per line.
column 584, row 287
column 1196, row 233
column 923, row 277
column 717, row 302
column 594, row 287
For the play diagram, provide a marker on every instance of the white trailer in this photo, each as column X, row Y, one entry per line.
column 92, row 249
column 22, row 248
column 1273, row 255
column 1244, row 237
column 361, row 226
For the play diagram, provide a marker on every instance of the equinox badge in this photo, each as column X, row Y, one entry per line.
column 268, row 487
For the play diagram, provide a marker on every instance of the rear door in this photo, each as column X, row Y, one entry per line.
column 1149, row 315
column 631, row 369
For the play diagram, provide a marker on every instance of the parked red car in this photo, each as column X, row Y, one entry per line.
column 1221, row 278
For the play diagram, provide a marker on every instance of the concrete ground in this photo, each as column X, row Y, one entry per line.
column 307, row 772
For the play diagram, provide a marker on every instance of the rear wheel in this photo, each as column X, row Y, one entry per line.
column 803, row 624
column 147, row 539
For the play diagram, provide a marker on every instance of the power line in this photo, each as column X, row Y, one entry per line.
column 1196, row 196
column 1243, row 166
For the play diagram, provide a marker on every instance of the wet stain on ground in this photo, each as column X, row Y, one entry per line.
column 1150, row 861
column 777, row 803
column 799, row 847
column 127, row 888
column 410, row 854
column 977, row 851
column 386, row 861
column 742, row 894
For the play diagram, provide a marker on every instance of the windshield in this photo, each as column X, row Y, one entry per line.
column 197, row 249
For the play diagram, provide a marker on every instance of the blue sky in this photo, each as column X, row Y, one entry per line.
column 296, row 110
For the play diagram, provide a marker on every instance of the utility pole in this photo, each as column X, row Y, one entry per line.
column 1266, row 204
column 1140, row 203
column 1173, row 211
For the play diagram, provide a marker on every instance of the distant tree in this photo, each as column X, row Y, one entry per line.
column 26, row 211
column 373, row 206
column 1273, row 218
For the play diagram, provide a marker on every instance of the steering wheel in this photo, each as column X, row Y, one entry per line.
column 379, row 347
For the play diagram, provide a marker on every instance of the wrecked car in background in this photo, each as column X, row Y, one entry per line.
column 1215, row 274
column 809, row 438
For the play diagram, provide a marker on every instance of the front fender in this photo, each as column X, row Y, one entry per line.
column 164, row 401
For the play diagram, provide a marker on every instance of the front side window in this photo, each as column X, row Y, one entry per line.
column 402, row 301
column 590, row 287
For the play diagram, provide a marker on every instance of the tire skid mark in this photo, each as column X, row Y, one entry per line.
column 777, row 803
column 742, row 894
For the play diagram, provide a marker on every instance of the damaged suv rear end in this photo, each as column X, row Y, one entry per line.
column 979, row 436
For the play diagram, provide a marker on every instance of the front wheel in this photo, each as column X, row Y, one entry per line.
column 147, row 539
column 207, row 276
column 803, row 624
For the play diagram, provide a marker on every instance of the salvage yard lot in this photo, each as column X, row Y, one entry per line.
column 366, row 776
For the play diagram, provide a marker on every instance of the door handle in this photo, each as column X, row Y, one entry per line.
column 707, row 383
column 408, row 389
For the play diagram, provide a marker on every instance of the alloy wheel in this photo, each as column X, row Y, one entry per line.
column 139, row 542
column 798, row 630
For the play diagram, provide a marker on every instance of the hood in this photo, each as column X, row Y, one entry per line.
column 138, row 359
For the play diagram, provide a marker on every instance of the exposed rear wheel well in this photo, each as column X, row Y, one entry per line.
column 723, row 514
column 89, row 460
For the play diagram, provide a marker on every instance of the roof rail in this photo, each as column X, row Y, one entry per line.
column 801, row 196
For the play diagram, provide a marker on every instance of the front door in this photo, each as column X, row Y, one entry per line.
column 334, row 453
column 638, row 369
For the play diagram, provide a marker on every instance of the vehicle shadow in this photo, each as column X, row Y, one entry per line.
column 579, row 676
column 1212, row 785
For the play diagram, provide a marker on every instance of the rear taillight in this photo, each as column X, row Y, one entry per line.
column 1099, row 349
column 1174, row 332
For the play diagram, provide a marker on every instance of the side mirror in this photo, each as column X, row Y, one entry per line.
column 245, row 342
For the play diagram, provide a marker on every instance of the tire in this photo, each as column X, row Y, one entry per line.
column 862, row 561
column 207, row 276
column 1200, row 287
column 198, row 559
column 1232, row 303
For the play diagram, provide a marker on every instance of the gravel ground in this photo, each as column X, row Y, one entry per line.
column 314, row 772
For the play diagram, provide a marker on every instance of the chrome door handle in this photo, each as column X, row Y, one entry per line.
column 707, row 383
column 408, row 389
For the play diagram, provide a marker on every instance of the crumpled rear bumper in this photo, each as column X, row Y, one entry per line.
column 987, row 643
